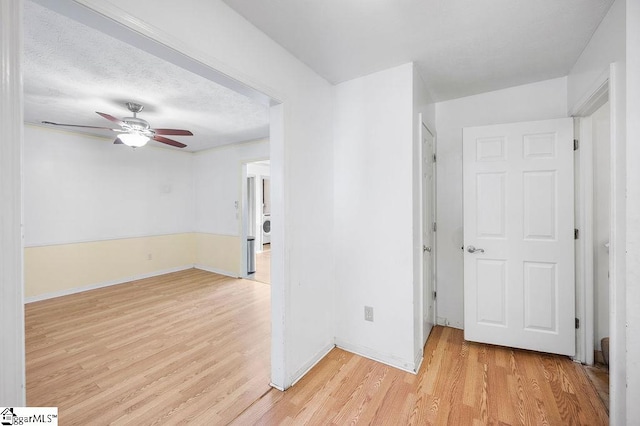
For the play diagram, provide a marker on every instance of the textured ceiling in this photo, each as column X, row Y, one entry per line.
column 71, row 71
column 461, row 47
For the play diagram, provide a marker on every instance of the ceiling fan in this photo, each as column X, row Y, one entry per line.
column 134, row 132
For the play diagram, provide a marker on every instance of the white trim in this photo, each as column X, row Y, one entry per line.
column 421, row 304
column 12, row 353
column 307, row 366
column 74, row 290
column 617, row 252
column 584, row 245
column 85, row 241
column 390, row 360
column 434, row 252
column 595, row 98
column 280, row 388
column 586, row 236
column 280, row 285
column 216, row 271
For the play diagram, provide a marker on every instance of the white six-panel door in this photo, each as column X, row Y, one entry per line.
column 519, row 285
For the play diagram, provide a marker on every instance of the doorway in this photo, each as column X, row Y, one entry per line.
column 256, row 220
column 594, row 201
column 276, row 121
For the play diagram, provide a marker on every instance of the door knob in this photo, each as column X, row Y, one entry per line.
column 427, row 249
column 472, row 249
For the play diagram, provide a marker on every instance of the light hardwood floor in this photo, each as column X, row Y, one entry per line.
column 193, row 347
column 188, row 346
column 459, row 383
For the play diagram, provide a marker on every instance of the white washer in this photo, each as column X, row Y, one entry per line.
column 266, row 229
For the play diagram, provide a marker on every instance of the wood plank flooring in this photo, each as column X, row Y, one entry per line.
column 459, row 383
column 263, row 265
column 193, row 347
column 188, row 346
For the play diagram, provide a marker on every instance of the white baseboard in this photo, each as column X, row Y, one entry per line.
column 216, row 271
column 281, row 389
column 390, row 360
column 302, row 371
column 74, row 290
column 418, row 361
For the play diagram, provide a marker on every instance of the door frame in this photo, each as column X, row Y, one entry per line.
column 244, row 208
column 585, row 340
column 608, row 85
column 423, row 282
column 117, row 23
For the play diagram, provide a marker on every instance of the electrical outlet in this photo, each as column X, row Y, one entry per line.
column 149, row 256
column 368, row 313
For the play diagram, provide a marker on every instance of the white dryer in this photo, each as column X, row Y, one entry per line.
column 266, row 229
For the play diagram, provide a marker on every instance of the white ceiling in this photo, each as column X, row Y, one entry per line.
column 461, row 47
column 71, row 71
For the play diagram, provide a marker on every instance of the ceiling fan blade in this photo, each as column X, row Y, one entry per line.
column 78, row 125
column 168, row 141
column 110, row 118
column 176, row 132
column 117, row 141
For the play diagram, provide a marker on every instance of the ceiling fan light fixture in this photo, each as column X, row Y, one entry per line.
column 134, row 140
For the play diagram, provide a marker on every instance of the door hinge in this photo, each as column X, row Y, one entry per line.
column 576, row 144
column 576, row 234
column 435, row 294
column 577, row 323
column 434, row 158
column 434, row 227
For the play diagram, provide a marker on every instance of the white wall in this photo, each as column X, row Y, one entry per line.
column 536, row 101
column 633, row 210
column 373, row 247
column 98, row 214
column 217, row 182
column 301, row 160
column 80, row 188
column 607, row 46
column 601, row 206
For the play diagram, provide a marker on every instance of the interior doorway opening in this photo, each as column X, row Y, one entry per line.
column 129, row 35
column 256, row 220
column 594, row 221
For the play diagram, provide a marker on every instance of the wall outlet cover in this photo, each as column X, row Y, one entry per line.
column 368, row 313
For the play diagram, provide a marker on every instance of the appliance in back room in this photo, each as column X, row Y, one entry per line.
column 266, row 211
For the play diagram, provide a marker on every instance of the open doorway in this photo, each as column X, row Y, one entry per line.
column 231, row 212
column 594, row 216
column 257, row 220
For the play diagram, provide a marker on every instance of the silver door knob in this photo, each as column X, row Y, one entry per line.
column 472, row 249
column 427, row 249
